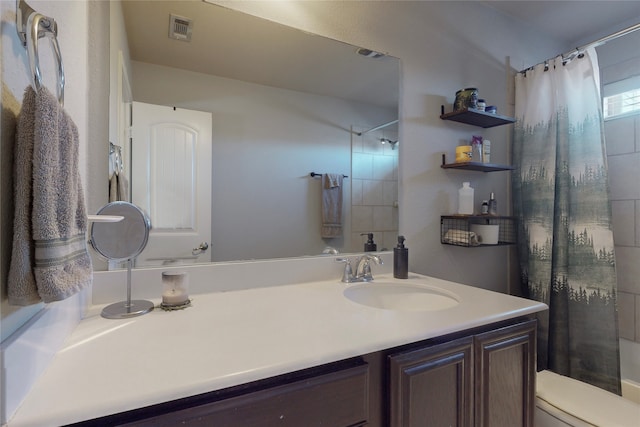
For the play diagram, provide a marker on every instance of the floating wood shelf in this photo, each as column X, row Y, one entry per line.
column 478, row 118
column 477, row 166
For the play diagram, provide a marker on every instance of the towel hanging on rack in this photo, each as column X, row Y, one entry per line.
column 331, row 205
column 49, row 259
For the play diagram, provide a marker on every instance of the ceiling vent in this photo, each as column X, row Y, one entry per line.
column 180, row 28
column 369, row 53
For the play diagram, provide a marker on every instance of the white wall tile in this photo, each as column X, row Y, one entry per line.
column 628, row 269
column 383, row 167
column 624, row 224
column 620, row 135
column 383, row 218
column 361, row 218
column 637, row 313
column 356, row 192
column 637, row 133
column 627, row 315
column 621, row 70
column 637, row 217
column 372, row 191
column 389, row 193
column 362, row 166
column 624, row 176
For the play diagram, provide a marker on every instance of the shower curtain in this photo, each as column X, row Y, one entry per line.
column 565, row 237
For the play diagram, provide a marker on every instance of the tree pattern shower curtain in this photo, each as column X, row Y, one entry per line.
column 565, row 237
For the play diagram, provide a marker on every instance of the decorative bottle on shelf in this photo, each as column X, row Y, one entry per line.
column 493, row 205
column 486, row 151
column 485, row 207
column 465, row 199
column 369, row 245
column 476, row 149
column 401, row 260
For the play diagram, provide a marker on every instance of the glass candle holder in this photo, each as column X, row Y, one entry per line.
column 175, row 288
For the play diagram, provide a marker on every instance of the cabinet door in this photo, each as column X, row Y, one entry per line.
column 337, row 399
column 505, row 376
column 432, row 386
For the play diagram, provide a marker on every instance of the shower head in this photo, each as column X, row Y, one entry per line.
column 391, row 142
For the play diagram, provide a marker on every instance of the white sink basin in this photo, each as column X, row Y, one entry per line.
column 401, row 296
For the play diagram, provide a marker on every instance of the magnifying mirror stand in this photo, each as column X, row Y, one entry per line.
column 128, row 308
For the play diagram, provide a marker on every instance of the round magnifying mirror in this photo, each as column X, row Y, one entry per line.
column 122, row 241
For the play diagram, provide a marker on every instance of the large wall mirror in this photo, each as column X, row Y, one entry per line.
column 230, row 115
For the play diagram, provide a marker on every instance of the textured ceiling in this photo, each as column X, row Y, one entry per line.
column 230, row 44
column 235, row 45
column 573, row 23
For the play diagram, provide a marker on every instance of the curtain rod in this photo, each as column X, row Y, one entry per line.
column 393, row 122
column 568, row 56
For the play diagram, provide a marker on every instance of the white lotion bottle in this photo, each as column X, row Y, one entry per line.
column 465, row 199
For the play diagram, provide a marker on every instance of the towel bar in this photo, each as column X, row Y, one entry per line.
column 32, row 26
column 314, row 174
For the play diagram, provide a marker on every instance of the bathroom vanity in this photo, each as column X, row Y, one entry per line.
column 313, row 353
column 480, row 379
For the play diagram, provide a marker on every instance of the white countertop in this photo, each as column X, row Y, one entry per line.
column 230, row 338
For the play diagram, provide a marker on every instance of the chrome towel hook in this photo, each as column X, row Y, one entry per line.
column 32, row 26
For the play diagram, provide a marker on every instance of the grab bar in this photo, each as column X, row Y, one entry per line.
column 32, row 26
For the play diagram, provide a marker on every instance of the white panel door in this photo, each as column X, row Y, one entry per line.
column 171, row 181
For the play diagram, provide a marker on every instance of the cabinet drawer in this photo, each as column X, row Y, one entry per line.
column 339, row 398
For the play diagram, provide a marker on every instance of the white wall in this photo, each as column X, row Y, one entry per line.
column 443, row 46
column 85, row 56
column 77, row 45
column 266, row 141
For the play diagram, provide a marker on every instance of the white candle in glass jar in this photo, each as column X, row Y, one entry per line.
column 175, row 287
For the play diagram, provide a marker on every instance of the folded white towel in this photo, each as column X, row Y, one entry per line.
column 331, row 206
column 49, row 259
column 461, row 237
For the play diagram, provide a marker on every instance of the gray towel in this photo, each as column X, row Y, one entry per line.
column 331, row 205
column 118, row 188
column 49, row 259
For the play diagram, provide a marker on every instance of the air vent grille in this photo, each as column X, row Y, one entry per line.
column 180, row 28
column 369, row 53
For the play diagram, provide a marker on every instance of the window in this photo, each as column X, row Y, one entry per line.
column 621, row 98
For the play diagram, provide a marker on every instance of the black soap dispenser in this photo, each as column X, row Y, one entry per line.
column 369, row 245
column 400, row 260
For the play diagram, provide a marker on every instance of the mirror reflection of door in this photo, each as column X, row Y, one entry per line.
column 123, row 122
column 171, row 181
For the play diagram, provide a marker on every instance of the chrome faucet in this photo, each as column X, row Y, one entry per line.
column 363, row 268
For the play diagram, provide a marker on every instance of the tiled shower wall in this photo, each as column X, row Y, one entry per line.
column 623, row 155
column 374, row 190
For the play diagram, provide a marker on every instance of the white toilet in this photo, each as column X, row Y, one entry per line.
column 563, row 401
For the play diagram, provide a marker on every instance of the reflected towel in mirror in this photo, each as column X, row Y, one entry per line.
column 331, row 205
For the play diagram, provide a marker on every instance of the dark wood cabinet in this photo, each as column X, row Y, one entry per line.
column 486, row 380
column 339, row 398
column 432, row 385
column 481, row 377
column 505, row 362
